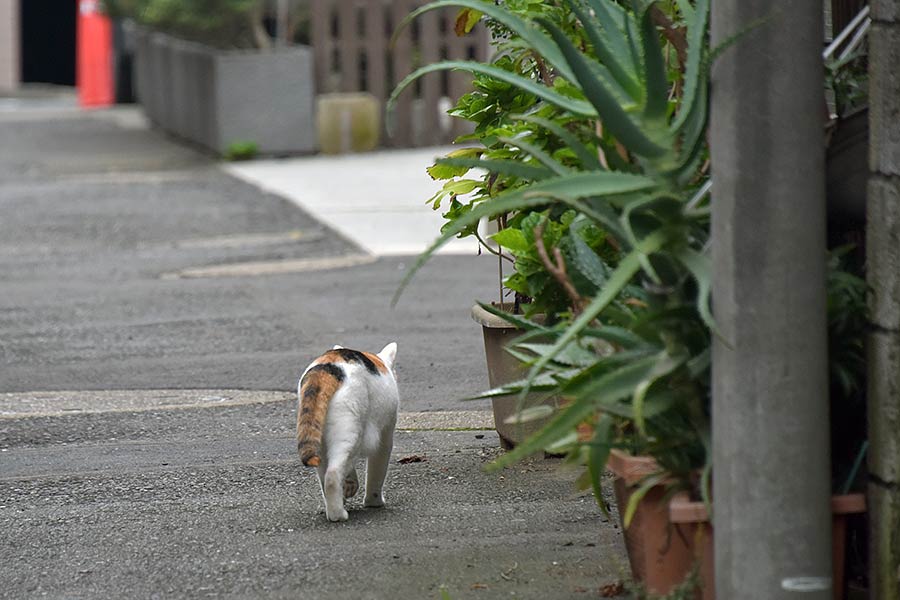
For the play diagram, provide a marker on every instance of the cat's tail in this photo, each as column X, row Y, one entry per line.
column 316, row 389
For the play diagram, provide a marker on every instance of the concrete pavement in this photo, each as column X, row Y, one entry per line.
column 154, row 316
column 377, row 199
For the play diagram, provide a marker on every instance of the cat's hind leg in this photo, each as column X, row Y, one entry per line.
column 376, row 470
column 333, row 489
column 351, row 483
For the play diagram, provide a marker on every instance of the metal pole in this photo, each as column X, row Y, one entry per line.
column 883, row 266
column 771, row 481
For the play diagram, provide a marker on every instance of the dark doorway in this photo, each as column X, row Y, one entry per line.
column 48, row 41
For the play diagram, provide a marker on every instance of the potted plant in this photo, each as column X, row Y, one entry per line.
column 517, row 141
column 207, row 71
column 631, row 354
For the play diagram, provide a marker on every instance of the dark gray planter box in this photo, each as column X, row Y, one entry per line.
column 215, row 98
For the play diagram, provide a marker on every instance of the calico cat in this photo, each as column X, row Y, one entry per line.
column 348, row 403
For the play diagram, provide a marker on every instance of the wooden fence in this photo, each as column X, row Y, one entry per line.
column 351, row 39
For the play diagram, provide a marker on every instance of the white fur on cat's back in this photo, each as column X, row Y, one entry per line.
column 359, row 423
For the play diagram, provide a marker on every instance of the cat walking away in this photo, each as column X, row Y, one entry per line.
column 348, row 403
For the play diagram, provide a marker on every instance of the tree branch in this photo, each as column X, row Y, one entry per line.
column 557, row 269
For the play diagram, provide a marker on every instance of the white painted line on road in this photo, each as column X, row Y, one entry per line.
column 25, row 405
column 276, row 267
column 66, row 403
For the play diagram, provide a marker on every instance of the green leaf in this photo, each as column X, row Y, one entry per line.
column 610, row 387
column 512, row 168
column 647, row 484
column 700, row 268
column 619, row 336
column 466, row 19
column 527, row 415
column 572, row 355
column 586, row 261
column 656, row 101
column 512, row 239
column 598, row 456
column 666, row 364
column 588, row 159
column 442, row 170
column 517, row 320
column 696, row 26
column 615, row 119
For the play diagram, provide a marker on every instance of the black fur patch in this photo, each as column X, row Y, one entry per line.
column 333, row 370
column 310, row 392
column 356, row 356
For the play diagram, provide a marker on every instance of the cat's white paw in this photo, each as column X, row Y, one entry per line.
column 374, row 501
column 338, row 515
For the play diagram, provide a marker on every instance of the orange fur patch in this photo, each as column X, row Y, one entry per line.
column 316, row 390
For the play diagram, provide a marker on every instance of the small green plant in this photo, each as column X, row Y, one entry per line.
column 241, row 150
column 220, row 23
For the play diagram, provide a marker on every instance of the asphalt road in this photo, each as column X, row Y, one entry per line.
column 123, row 266
column 98, row 220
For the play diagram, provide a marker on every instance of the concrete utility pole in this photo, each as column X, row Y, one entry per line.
column 883, row 273
column 771, row 482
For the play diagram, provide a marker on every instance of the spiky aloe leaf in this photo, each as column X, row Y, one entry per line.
column 693, row 79
column 667, row 362
column 619, row 336
column 598, row 455
column 612, row 17
column 604, row 54
column 610, row 388
column 517, row 320
column 615, row 119
column 578, row 107
column 647, row 484
column 699, row 267
column 530, row 34
column 537, row 153
column 587, row 158
column 656, row 100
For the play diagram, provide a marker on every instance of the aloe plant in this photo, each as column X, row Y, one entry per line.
column 633, row 354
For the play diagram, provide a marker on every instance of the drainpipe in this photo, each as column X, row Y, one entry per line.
column 771, row 480
column 883, row 274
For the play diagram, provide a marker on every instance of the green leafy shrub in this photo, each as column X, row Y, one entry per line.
column 219, row 23
column 600, row 151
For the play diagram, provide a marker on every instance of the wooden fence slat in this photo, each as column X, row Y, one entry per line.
column 429, row 45
column 320, row 37
column 347, row 46
column 354, row 60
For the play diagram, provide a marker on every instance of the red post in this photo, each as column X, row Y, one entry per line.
column 94, row 59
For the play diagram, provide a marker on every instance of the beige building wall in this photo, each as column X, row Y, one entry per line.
column 10, row 65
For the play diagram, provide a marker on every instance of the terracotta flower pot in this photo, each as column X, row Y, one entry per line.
column 504, row 368
column 666, row 537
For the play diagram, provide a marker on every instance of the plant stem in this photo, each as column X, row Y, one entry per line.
column 557, row 268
